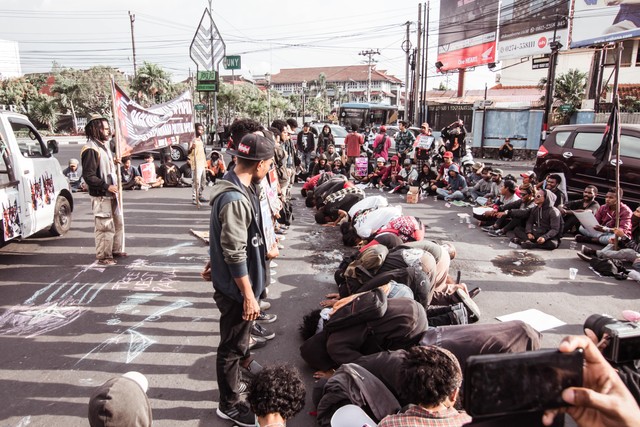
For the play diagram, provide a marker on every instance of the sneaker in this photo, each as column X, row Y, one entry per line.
column 258, row 331
column 583, row 256
column 472, row 308
column 459, row 315
column 585, row 250
column 516, row 241
column 496, row 233
column 242, row 387
column 264, row 305
column 266, row 318
column 203, row 200
column 488, row 228
column 256, row 342
column 528, row 245
column 238, row 413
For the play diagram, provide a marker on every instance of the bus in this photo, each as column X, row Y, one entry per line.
column 365, row 114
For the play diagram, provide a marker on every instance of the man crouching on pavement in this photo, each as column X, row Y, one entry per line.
column 238, row 260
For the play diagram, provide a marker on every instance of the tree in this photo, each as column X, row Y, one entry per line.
column 96, row 89
column 68, row 89
column 18, row 92
column 152, row 85
column 570, row 87
column 44, row 109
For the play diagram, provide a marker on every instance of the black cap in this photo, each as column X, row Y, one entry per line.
column 254, row 147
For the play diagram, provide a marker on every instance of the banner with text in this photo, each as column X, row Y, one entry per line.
column 527, row 27
column 467, row 33
column 597, row 22
column 146, row 129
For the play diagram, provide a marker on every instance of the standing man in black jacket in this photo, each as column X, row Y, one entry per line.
column 306, row 145
column 99, row 172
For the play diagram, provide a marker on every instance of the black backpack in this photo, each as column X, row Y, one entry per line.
column 368, row 306
column 609, row 267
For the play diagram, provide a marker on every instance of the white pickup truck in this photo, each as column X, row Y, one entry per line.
column 34, row 194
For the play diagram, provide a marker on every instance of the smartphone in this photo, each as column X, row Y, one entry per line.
column 500, row 384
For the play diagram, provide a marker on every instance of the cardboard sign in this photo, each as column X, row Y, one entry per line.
column 362, row 166
column 148, row 172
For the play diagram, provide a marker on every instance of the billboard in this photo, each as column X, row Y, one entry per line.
column 604, row 21
column 527, row 27
column 467, row 33
column 9, row 60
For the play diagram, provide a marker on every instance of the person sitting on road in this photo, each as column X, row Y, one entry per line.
column 506, row 150
column 425, row 176
column 606, row 217
column 431, row 378
column 331, row 154
column 512, row 215
column 407, row 177
column 483, row 186
column 373, row 178
column 628, row 246
column 391, row 172
column 442, row 180
column 149, row 172
column 544, row 225
column 321, row 166
column 170, row 173
column 215, row 167
column 496, row 184
column 476, row 174
column 338, row 168
column 131, row 179
column 587, row 202
column 456, row 186
column 74, row 176
column 276, row 394
column 553, row 183
column 529, row 179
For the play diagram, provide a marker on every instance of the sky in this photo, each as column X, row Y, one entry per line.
column 268, row 35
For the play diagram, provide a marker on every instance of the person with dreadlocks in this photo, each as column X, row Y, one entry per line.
column 99, row 172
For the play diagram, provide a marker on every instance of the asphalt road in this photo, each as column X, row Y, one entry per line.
column 68, row 325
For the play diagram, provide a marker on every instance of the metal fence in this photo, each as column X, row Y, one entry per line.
column 628, row 118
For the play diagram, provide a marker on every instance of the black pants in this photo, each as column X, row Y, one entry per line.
column 548, row 244
column 233, row 348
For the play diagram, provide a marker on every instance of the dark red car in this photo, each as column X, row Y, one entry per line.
column 569, row 150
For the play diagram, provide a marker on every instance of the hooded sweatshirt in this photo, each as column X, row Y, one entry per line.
column 457, row 182
column 545, row 221
column 237, row 243
column 119, row 402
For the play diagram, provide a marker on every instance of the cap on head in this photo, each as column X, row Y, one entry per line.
column 477, row 166
column 254, row 147
column 95, row 116
column 448, row 155
column 527, row 174
column 454, row 168
column 407, row 162
column 383, row 129
column 496, row 172
column 74, row 162
column 380, row 160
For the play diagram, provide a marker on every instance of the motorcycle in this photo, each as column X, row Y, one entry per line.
column 466, row 162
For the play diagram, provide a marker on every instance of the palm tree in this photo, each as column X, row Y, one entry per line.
column 570, row 87
column 44, row 110
column 69, row 91
column 151, row 84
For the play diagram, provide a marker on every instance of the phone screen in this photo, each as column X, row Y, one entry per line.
column 498, row 384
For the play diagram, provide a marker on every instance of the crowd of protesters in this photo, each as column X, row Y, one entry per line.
column 394, row 337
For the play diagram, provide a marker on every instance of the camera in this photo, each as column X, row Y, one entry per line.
column 624, row 337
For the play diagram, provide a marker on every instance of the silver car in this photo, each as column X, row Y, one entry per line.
column 339, row 134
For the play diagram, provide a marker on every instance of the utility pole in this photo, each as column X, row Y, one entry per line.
column 551, row 76
column 132, row 18
column 406, row 47
column 369, row 53
column 416, row 74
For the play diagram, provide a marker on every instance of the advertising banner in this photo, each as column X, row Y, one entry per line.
column 146, row 129
column 603, row 21
column 527, row 27
column 467, row 33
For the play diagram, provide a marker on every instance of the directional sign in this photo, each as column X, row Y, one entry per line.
column 200, row 107
column 207, row 48
column 232, row 62
column 542, row 62
column 565, row 108
column 207, row 81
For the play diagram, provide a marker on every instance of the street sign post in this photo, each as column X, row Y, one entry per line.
column 232, row 62
column 207, row 81
column 200, row 107
column 564, row 108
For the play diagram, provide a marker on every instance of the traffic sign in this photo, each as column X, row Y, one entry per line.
column 232, row 62
column 207, row 87
column 200, row 107
column 207, row 81
column 207, row 47
column 204, row 76
column 541, row 62
column 564, row 108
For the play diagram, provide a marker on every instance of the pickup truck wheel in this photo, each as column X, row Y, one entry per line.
column 62, row 217
column 176, row 154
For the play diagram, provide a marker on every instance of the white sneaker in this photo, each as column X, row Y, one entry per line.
column 634, row 275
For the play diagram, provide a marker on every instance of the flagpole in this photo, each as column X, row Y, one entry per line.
column 616, row 105
column 118, row 156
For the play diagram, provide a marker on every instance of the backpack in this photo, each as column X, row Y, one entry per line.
column 380, row 147
column 358, row 269
column 365, row 307
column 609, row 267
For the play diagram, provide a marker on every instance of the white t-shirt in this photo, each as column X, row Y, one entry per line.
column 368, row 203
column 371, row 220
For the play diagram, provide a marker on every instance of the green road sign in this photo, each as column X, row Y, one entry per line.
column 232, row 62
column 207, row 87
column 206, row 75
column 565, row 108
column 200, row 107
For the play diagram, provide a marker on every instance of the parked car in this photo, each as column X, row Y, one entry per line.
column 339, row 134
column 178, row 152
column 569, row 150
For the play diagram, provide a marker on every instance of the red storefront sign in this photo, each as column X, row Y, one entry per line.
column 471, row 56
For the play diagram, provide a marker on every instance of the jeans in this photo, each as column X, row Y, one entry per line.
column 399, row 290
column 456, row 195
column 549, row 244
column 603, row 237
column 233, row 348
column 624, row 254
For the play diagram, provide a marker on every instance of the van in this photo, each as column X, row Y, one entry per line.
column 569, row 150
column 34, row 193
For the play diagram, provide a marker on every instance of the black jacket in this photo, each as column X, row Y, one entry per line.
column 546, row 220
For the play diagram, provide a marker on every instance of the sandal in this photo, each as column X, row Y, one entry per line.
column 107, row 261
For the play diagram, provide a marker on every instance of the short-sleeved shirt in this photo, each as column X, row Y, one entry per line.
column 417, row 416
